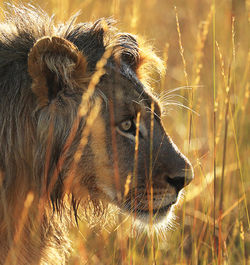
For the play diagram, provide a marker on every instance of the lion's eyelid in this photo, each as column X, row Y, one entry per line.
column 126, row 134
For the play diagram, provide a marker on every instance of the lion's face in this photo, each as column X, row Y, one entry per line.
column 143, row 171
column 120, row 153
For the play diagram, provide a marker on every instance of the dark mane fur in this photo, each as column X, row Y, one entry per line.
column 24, row 140
column 22, row 28
column 31, row 144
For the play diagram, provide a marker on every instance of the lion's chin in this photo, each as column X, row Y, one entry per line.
column 147, row 217
column 159, row 224
column 154, row 216
column 144, row 217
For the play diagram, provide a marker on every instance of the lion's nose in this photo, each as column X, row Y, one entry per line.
column 181, row 178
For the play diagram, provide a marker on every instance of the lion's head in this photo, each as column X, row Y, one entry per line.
column 78, row 120
column 122, row 153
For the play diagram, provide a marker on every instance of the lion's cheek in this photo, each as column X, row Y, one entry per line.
column 103, row 170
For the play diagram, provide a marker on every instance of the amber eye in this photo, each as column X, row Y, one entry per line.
column 126, row 125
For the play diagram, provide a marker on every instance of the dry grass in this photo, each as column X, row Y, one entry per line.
column 205, row 45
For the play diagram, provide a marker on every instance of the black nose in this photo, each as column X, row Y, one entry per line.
column 179, row 181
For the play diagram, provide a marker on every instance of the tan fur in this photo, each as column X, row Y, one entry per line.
column 65, row 93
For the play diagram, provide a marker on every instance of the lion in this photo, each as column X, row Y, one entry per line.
column 79, row 122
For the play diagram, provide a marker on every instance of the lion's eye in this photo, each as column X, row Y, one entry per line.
column 126, row 125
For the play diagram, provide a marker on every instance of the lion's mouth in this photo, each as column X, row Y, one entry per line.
column 138, row 205
column 159, row 211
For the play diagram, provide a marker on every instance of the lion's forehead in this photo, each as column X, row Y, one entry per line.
column 129, row 92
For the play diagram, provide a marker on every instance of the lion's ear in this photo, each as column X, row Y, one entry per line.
column 141, row 58
column 54, row 64
column 127, row 50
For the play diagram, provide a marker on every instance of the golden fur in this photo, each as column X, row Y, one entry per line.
column 77, row 120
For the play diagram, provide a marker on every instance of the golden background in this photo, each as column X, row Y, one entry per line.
column 205, row 47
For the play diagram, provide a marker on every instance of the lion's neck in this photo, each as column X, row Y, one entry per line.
column 28, row 228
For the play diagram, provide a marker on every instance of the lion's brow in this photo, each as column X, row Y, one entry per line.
column 144, row 96
column 130, row 75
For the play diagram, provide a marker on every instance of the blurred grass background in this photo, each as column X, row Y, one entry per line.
column 205, row 46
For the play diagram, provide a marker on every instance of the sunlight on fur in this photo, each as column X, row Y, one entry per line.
column 79, row 96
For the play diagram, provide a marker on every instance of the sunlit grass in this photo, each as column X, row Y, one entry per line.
column 205, row 46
